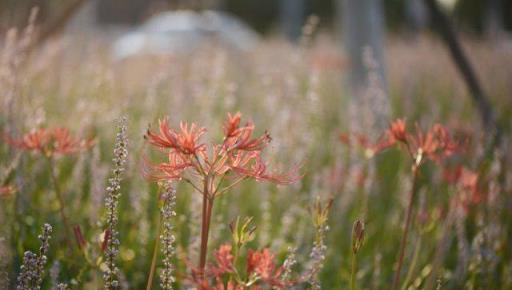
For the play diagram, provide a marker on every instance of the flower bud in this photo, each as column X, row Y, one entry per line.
column 357, row 235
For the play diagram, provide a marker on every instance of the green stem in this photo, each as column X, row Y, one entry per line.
column 149, row 284
column 353, row 272
column 403, row 243
column 236, row 255
column 60, row 199
column 414, row 261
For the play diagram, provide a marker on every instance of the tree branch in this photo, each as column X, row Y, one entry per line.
column 445, row 29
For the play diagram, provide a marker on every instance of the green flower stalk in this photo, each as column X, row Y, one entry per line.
column 167, row 237
column 288, row 264
column 32, row 270
column 320, row 215
column 111, row 203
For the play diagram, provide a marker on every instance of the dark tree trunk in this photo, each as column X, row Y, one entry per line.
column 447, row 33
column 494, row 21
column 362, row 27
column 416, row 15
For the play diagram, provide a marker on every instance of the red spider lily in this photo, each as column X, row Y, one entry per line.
column 201, row 284
column 397, row 130
column 371, row 149
column 7, row 190
column 239, row 153
column 469, row 180
column 240, row 138
column 262, row 264
column 219, row 285
column 65, row 143
column 245, row 142
column 238, row 156
column 258, row 171
column 435, row 144
column 260, row 267
column 452, row 175
column 232, row 124
column 50, row 141
column 185, row 141
column 224, row 260
column 467, row 184
column 189, row 137
column 35, row 140
column 171, row 170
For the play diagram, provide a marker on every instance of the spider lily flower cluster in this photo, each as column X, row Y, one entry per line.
column 50, row 142
column 212, row 170
column 7, row 190
column 434, row 144
column 260, row 271
column 467, row 183
column 238, row 154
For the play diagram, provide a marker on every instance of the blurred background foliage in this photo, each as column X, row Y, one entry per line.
column 262, row 15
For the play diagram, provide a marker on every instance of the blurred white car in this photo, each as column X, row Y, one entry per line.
column 182, row 31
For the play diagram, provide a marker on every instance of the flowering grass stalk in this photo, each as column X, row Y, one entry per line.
column 320, row 214
column 43, row 251
column 111, row 203
column 167, row 237
column 27, row 271
column 32, row 270
column 288, row 264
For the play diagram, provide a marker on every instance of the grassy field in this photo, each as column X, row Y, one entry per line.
column 336, row 224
